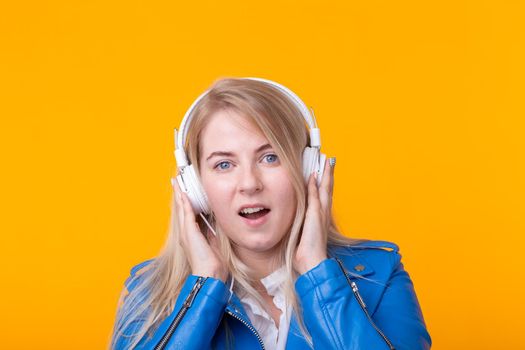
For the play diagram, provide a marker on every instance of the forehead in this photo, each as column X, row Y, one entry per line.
column 228, row 130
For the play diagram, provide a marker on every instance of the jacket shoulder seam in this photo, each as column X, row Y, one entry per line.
column 140, row 267
column 136, row 273
column 380, row 245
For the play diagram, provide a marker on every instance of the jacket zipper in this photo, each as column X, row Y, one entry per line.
column 250, row 327
column 363, row 305
column 185, row 306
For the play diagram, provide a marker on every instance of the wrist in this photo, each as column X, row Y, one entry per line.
column 217, row 274
column 310, row 263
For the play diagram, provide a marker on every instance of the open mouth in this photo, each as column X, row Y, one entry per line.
column 254, row 215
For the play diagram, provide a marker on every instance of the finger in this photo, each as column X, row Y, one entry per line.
column 324, row 189
column 178, row 207
column 190, row 224
column 313, row 194
column 325, row 181
column 332, row 170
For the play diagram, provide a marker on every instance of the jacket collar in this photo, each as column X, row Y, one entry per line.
column 355, row 265
column 235, row 306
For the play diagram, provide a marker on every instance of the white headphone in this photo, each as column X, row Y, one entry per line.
column 187, row 178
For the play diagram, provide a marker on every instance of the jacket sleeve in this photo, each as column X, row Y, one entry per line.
column 193, row 321
column 336, row 318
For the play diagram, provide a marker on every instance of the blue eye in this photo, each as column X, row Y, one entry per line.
column 272, row 158
column 222, row 167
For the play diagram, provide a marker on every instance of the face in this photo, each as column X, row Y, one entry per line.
column 240, row 169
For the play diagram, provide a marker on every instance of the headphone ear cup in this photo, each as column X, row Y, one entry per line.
column 190, row 184
column 313, row 161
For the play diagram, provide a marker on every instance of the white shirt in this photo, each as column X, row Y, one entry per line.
column 272, row 337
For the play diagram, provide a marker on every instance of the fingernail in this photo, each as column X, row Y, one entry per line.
column 331, row 161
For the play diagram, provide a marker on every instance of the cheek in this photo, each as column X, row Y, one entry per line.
column 219, row 193
column 287, row 199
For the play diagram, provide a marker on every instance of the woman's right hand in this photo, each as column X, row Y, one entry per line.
column 203, row 253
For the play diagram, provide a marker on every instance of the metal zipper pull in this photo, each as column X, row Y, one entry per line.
column 361, row 302
column 185, row 306
column 196, row 287
column 357, row 295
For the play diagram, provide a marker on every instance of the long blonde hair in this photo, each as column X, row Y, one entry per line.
column 142, row 309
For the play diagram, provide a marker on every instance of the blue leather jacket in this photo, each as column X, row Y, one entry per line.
column 360, row 298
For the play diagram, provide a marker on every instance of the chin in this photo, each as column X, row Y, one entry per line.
column 259, row 244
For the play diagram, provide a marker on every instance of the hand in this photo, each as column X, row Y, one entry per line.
column 202, row 252
column 311, row 249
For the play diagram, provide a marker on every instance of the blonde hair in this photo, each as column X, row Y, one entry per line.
column 142, row 309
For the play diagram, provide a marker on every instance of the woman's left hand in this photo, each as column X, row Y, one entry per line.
column 312, row 246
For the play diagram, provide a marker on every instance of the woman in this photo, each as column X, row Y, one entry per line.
column 253, row 257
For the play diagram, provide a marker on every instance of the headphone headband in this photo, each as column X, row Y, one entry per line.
column 180, row 137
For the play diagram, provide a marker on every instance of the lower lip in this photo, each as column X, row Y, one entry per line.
column 255, row 222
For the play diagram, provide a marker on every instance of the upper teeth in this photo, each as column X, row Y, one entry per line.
column 251, row 210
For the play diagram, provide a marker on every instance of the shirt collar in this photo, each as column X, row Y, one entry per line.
column 275, row 280
column 273, row 284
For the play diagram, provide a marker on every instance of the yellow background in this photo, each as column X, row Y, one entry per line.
column 421, row 102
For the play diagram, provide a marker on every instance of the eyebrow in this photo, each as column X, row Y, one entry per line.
column 229, row 154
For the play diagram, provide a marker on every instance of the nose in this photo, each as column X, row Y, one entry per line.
column 250, row 181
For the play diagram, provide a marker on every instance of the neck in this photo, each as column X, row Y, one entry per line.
column 261, row 263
